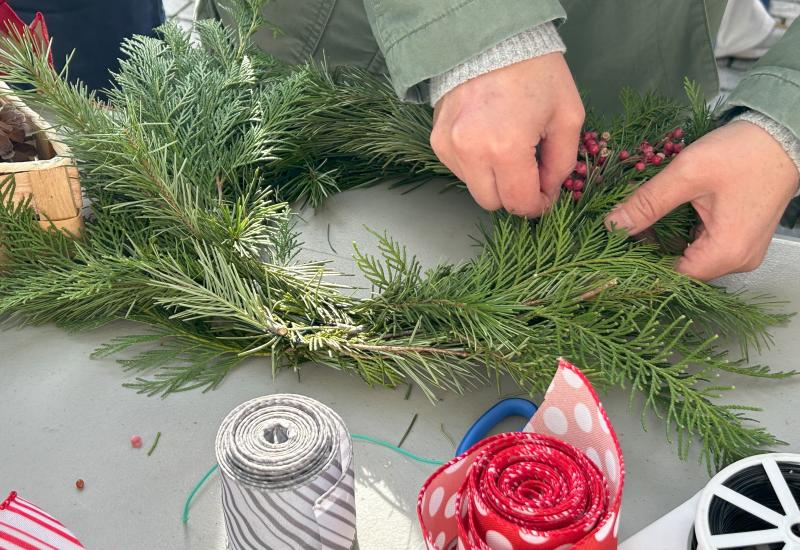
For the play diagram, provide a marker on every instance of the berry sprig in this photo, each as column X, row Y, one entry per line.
column 655, row 154
column 594, row 149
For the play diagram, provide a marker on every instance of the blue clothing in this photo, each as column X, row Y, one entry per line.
column 94, row 29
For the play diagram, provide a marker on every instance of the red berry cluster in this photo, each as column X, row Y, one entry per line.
column 654, row 154
column 595, row 147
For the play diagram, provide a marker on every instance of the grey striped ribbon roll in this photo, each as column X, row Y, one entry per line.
column 286, row 465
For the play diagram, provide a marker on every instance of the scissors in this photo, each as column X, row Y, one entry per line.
column 506, row 408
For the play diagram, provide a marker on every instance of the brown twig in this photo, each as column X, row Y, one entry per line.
column 592, row 294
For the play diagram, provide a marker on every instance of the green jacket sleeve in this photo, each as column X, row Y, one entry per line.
column 420, row 39
column 772, row 86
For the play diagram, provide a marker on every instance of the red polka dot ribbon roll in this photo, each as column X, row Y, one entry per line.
column 557, row 485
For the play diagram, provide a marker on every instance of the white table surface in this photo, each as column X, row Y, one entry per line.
column 66, row 417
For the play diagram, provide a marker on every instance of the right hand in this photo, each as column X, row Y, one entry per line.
column 486, row 131
column 738, row 179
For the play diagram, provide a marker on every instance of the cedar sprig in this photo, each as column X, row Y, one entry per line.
column 190, row 168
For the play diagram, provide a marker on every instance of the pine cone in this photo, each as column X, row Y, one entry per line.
column 13, row 132
column 6, row 147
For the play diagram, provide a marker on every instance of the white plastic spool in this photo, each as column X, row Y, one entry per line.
column 782, row 530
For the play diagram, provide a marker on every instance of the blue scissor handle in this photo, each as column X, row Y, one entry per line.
column 506, row 408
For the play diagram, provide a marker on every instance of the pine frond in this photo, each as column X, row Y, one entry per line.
column 186, row 170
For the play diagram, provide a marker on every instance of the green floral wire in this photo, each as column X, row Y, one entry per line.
column 396, row 449
column 357, row 437
column 196, row 488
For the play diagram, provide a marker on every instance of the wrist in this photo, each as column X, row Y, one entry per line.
column 782, row 135
column 540, row 40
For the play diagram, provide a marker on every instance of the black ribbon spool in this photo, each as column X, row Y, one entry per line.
column 752, row 482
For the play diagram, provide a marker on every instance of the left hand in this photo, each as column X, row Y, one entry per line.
column 738, row 179
column 486, row 131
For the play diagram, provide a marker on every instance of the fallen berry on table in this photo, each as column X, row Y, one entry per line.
column 136, row 441
column 79, row 484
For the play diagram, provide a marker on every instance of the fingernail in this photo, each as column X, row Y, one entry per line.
column 619, row 219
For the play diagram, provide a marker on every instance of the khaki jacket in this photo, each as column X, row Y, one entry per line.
column 649, row 45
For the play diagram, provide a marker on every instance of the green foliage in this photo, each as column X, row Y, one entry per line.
column 186, row 170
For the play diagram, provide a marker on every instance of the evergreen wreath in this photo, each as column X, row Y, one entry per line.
column 190, row 166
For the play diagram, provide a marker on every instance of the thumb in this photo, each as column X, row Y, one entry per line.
column 706, row 259
column 650, row 202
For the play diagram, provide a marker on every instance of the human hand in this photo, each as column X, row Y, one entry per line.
column 738, row 179
column 486, row 131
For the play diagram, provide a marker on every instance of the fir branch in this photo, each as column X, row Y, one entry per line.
column 186, row 169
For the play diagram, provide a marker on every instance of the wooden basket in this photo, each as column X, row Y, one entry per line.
column 52, row 180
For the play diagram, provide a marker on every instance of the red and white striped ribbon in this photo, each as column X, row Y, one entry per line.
column 25, row 526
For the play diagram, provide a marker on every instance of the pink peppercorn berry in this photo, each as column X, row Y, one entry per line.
column 624, row 155
column 580, row 168
column 136, row 441
column 639, row 166
column 576, row 195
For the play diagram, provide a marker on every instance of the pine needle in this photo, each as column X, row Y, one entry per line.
column 155, row 444
column 447, row 435
column 408, row 430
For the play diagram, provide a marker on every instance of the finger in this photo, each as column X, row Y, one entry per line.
column 478, row 178
column 651, row 202
column 706, row 259
column 517, row 179
column 442, row 145
column 481, row 185
column 557, row 154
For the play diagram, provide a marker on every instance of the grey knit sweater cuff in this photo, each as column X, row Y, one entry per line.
column 540, row 40
column 784, row 136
